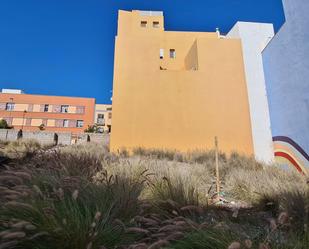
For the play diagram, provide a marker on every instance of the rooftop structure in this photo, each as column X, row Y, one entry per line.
column 12, row 91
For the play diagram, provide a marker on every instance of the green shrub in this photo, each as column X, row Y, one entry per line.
column 3, row 124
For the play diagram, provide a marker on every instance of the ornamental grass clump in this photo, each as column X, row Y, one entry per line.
column 53, row 203
column 206, row 239
column 173, row 195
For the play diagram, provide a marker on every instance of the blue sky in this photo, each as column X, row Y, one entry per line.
column 66, row 47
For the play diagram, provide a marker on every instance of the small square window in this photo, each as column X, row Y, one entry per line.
column 143, row 24
column 156, row 24
column 46, row 107
column 161, row 53
column 9, row 106
column 64, row 109
column 172, row 53
column 79, row 123
column 65, row 123
column 100, row 119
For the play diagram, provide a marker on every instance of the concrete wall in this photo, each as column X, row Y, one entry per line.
column 176, row 107
column 42, row 137
column 286, row 66
column 48, row 137
column 95, row 137
column 254, row 38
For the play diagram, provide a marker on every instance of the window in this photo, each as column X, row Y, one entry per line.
column 65, row 123
column 172, row 53
column 156, row 24
column 9, row 106
column 143, row 24
column 100, row 130
column 79, row 123
column 80, row 109
column 110, row 115
column 46, row 108
column 64, row 109
column 100, row 119
column 161, row 53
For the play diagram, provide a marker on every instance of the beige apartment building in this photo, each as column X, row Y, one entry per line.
column 103, row 117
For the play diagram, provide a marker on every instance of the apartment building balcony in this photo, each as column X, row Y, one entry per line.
column 100, row 121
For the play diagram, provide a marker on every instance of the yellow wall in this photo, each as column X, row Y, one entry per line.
column 36, row 108
column 18, row 121
column 129, row 22
column 51, row 122
column 191, row 60
column 50, row 108
column 178, row 108
column 36, row 122
column 21, row 107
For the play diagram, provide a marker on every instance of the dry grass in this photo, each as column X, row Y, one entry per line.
column 253, row 185
column 189, row 175
column 21, row 148
column 82, row 196
column 243, row 178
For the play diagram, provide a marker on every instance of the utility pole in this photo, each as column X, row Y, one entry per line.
column 10, row 106
column 217, row 168
column 22, row 126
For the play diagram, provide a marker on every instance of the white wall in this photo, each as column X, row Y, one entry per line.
column 14, row 91
column 255, row 37
column 286, row 66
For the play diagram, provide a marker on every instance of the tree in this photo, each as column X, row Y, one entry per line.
column 4, row 124
column 91, row 129
column 42, row 127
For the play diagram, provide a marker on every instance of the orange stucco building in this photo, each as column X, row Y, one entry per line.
column 53, row 113
column 177, row 90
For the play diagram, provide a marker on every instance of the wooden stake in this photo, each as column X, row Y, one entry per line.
column 217, row 168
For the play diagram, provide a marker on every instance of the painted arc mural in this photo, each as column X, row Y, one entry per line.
column 286, row 67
